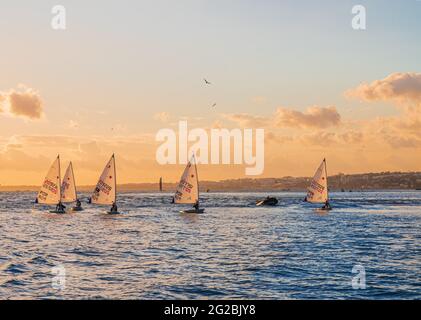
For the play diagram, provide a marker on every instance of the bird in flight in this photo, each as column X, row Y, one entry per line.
column 207, row 82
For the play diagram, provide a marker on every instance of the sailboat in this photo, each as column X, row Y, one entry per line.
column 160, row 184
column 318, row 191
column 106, row 189
column 50, row 192
column 68, row 189
column 187, row 191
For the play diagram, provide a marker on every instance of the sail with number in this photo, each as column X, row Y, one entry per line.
column 68, row 186
column 188, row 189
column 50, row 192
column 317, row 192
column 105, row 190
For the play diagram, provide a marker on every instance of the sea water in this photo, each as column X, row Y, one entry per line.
column 234, row 251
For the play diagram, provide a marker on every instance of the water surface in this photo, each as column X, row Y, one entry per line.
column 234, row 250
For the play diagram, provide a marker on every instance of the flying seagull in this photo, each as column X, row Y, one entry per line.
column 207, row 82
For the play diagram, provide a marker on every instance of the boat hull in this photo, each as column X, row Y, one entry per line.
column 113, row 212
column 57, row 211
column 193, row 211
column 267, row 202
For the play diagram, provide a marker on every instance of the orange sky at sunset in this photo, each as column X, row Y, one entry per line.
column 295, row 141
column 318, row 88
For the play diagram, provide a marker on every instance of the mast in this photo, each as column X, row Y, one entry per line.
column 73, row 177
column 115, row 181
column 327, row 186
column 59, row 179
column 197, row 177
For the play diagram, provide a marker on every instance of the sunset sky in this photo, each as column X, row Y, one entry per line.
column 122, row 70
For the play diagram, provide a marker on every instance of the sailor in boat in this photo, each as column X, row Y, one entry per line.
column 196, row 205
column 114, row 208
column 60, row 207
column 269, row 201
column 89, row 200
column 78, row 206
column 327, row 206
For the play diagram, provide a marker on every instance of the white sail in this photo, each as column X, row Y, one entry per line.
column 317, row 192
column 68, row 186
column 188, row 189
column 105, row 190
column 50, row 189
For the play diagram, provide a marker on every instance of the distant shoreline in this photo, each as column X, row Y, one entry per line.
column 384, row 181
column 168, row 192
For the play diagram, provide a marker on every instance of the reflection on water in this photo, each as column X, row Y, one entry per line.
column 234, row 250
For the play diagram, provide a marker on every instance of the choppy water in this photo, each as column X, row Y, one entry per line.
column 234, row 250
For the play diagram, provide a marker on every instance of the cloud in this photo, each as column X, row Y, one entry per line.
column 14, row 146
column 162, row 116
column 73, row 124
column 247, row 120
column 351, row 137
column 25, row 159
column 271, row 137
column 14, row 158
column 398, row 142
column 313, row 117
column 89, row 148
column 48, row 142
column 24, row 102
column 410, row 125
column 216, row 125
column 403, row 124
column 401, row 88
column 318, row 138
column 2, row 98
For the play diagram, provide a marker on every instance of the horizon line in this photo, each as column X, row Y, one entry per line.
column 228, row 179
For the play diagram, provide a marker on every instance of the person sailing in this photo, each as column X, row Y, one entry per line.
column 196, row 205
column 327, row 206
column 318, row 190
column 78, row 203
column 268, row 201
column 114, row 208
column 60, row 206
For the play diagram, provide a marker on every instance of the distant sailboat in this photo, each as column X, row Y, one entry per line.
column 160, row 184
column 318, row 191
column 106, row 188
column 68, row 189
column 187, row 191
column 50, row 192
